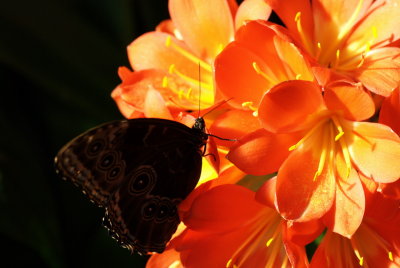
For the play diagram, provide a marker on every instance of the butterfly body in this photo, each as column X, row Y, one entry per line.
column 139, row 170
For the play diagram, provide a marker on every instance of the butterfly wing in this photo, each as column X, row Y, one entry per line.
column 139, row 170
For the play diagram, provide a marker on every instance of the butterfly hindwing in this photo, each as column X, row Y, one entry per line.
column 139, row 170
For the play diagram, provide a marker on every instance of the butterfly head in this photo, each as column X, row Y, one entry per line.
column 199, row 124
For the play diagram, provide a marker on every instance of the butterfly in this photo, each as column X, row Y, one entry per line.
column 138, row 170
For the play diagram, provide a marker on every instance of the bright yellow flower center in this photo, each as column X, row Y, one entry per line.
column 336, row 52
column 326, row 140
column 192, row 85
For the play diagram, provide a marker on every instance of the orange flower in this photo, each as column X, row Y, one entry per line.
column 168, row 60
column 321, row 152
column 351, row 37
column 375, row 244
column 259, row 58
column 226, row 227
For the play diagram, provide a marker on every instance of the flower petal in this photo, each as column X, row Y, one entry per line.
column 380, row 71
column 287, row 10
column 380, row 26
column 390, row 111
column 154, row 105
column 266, row 194
column 252, row 10
column 236, row 77
column 233, row 124
column 261, row 152
column 350, row 98
column 299, row 196
column 375, row 150
column 347, row 211
column 229, row 214
column 205, row 25
column 169, row 258
column 287, row 106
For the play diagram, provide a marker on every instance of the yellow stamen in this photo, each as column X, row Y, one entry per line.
column 172, row 70
column 322, row 159
column 360, row 259
column 390, row 255
column 175, row 264
column 249, row 105
column 269, row 242
column 188, row 93
column 188, row 55
column 303, row 37
column 309, row 133
column 298, row 76
column 319, row 49
column 263, row 74
column 339, row 128
column 337, row 59
column 228, row 264
column 165, row 82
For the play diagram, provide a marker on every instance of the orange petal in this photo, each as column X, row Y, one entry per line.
column 169, row 258
column 252, row 10
column 380, row 72
column 236, row 77
column 126, row 109
column 380, row 26
column 375, row 150
column 299, row 196
column 347, row 211
column 154, row 105
column 350, row 98
column 391, row 190
column 261, row 152
column 205, row 25
column 233, row 124
column 150, row 51
column 287, row 10
column 229, row 213
column 303, row 233
column 390, row 111
column 266, row 194
column 287, row 106
column 167, row 26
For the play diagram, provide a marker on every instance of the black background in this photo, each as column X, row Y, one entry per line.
column 58, row 66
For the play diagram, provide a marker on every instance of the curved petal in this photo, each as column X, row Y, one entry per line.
column 154, row 105
column 351, row 99
column 380, row 26
column 126, row 109
column 375, row 150
column 152, row 51
column 287, row 106
column 300, row 197
column 236, row 77
column 261, row 152
column 266, row 194
column 233, row 124
column 287, row 10
column 252, row 10
column 390, row 111
column 380, row 71
column 167, row 26
column 169, row 258
column 347, row 211
column 205, row 25
column 216, row 211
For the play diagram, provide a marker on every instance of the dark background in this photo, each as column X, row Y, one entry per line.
column 58, row 66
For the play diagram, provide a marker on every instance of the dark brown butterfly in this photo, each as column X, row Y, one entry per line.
column 139, row 170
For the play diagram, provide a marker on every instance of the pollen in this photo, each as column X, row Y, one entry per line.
column 269, row 242
column 390, row 255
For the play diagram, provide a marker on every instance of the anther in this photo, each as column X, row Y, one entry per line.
column 249, row 105
column 269, row 242
column 390, row 255
column 165, row 82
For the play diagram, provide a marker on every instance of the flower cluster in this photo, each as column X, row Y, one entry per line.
column 313, row 104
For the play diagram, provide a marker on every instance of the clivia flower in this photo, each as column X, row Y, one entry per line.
column 169, row 62
column 321, row 173
column 353, row 38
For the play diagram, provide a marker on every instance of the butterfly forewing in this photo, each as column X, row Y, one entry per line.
column 139, row 170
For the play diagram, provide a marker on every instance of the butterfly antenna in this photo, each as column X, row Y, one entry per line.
column 198, row 113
